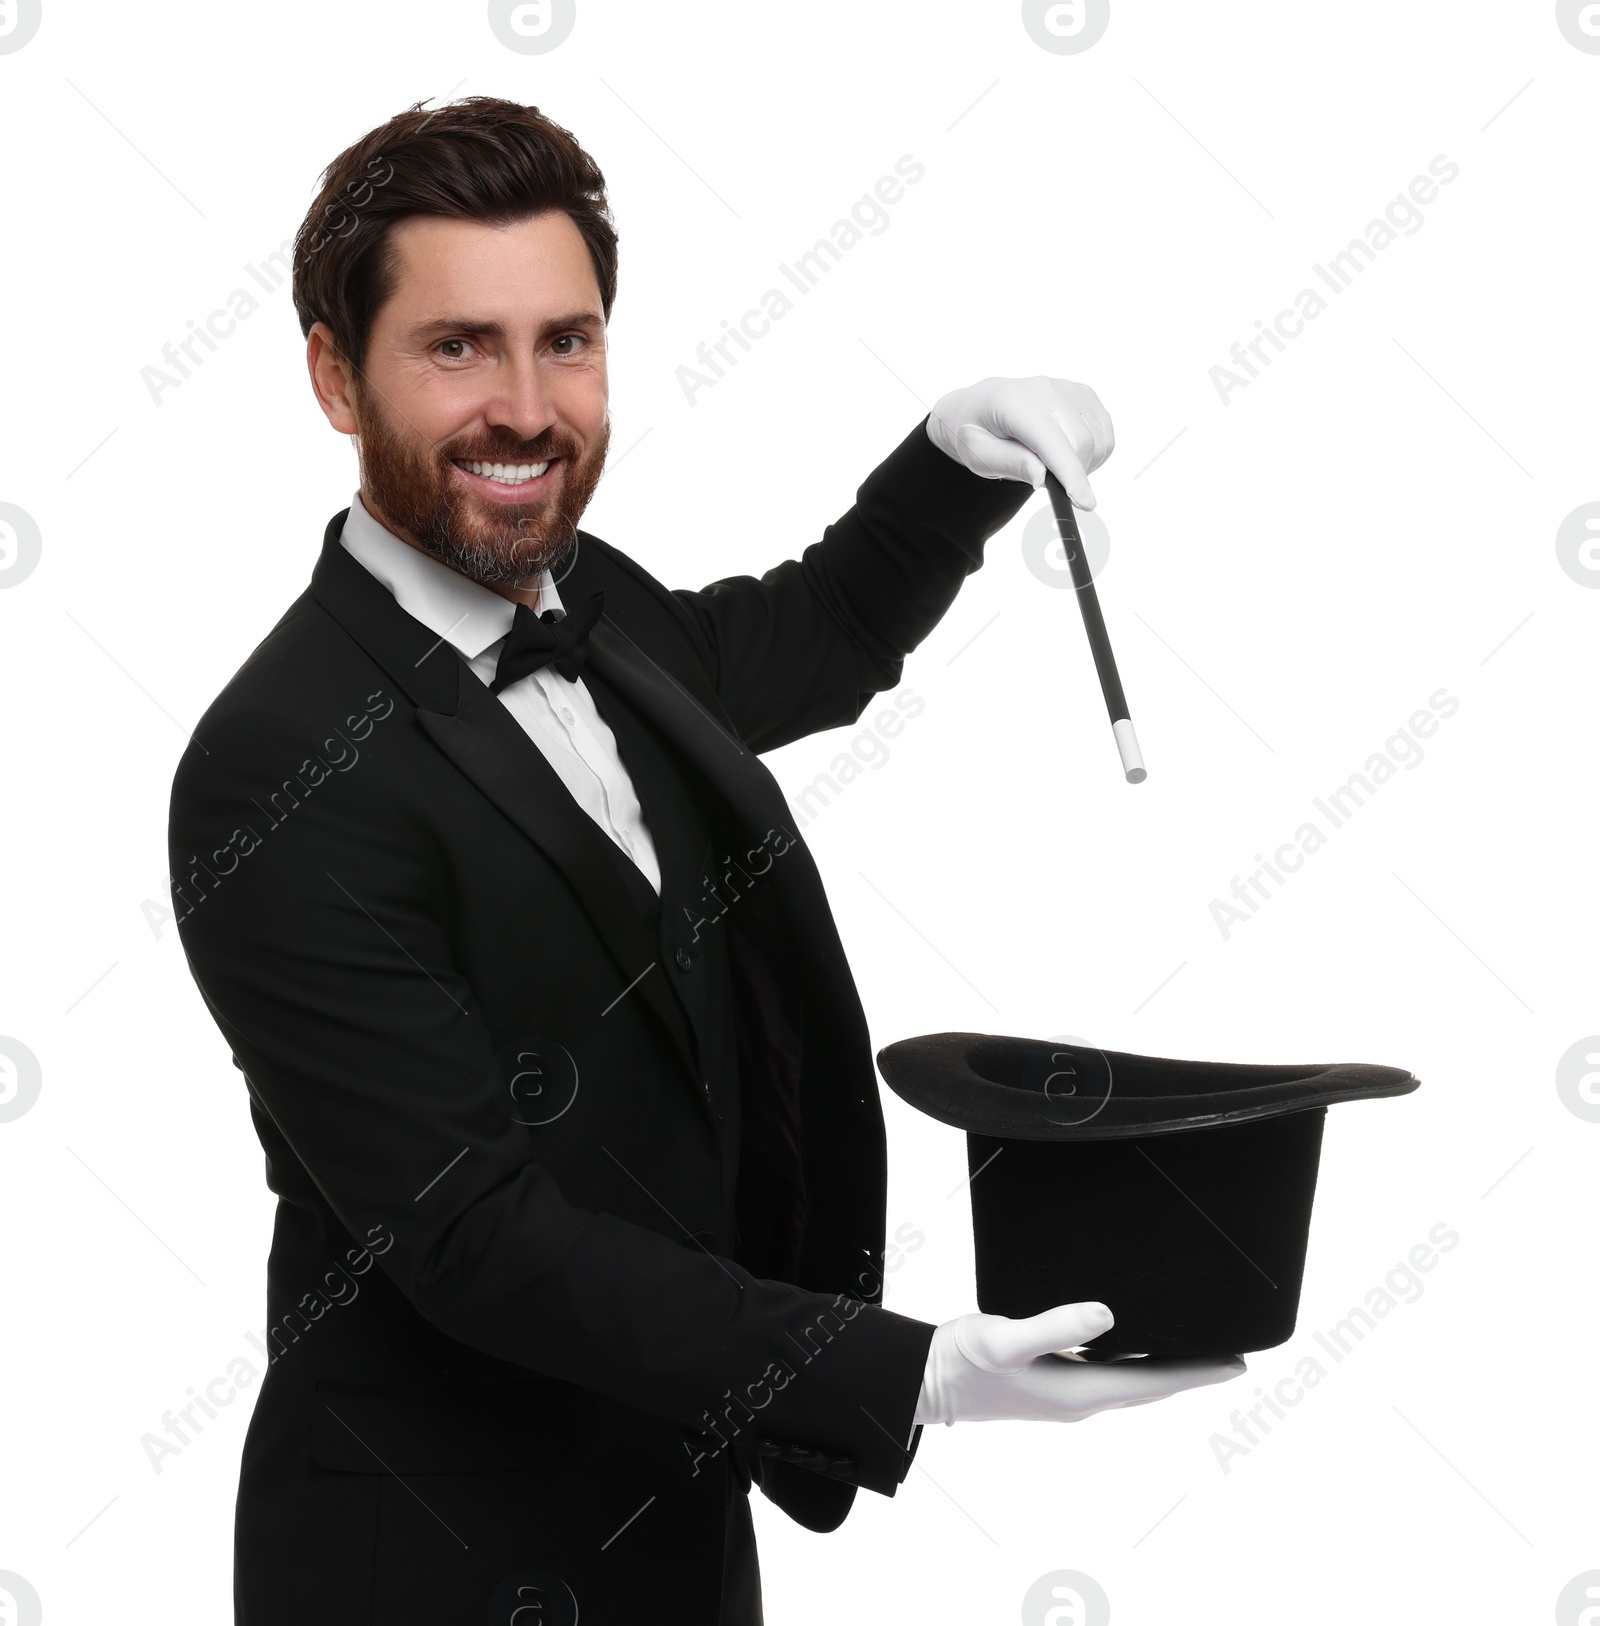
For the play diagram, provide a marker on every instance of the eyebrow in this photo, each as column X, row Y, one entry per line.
column 485, row 328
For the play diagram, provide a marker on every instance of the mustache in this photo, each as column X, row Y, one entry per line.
column 544, row 448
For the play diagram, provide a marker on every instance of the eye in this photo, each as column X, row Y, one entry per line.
column 444, row 343
column 567, row 338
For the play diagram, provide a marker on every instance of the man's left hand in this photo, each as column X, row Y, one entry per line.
column 1018, row 428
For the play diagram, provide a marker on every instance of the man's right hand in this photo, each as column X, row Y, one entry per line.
column 991, row 1368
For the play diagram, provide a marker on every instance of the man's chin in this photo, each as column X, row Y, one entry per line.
column 499, row 556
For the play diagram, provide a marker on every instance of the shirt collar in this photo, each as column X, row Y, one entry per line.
column 465, row 613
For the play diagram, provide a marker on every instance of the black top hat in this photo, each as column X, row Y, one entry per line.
column 1177, row 1192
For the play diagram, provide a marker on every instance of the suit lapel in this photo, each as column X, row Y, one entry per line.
column 697, row 728
column 471, row 727
column 731, row 767
column 487, row 745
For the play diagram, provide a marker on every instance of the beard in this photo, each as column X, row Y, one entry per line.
column 410, row 487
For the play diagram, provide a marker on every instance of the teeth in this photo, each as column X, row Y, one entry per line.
column 508, row 474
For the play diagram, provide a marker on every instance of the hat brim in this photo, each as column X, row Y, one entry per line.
column 1038, row 1089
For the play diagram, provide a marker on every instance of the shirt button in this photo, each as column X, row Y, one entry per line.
column 566, row 715
column 682, row 957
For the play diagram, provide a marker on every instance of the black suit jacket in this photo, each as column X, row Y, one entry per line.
column 514, row 1299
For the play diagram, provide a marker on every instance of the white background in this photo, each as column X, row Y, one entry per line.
column 1373, row 519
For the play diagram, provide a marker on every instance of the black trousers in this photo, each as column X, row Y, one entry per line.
column 741, row 1571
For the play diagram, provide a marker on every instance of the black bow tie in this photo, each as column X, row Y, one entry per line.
column 541, row 640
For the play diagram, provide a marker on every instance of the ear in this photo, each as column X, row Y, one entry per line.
column 332, row 378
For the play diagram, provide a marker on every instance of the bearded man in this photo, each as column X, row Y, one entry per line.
column 564, row 1086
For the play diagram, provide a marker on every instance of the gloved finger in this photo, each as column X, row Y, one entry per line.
column 1135, row 1383
column 1004, row 459
column 1056, row 434
column 1065, row 423
column 1086, row 423
column 1002, row 1344
column 1061, row 1391
column 1098, row 422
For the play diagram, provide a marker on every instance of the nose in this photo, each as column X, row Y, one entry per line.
column 521, row 402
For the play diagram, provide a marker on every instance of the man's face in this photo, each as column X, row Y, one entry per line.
column 490, row 352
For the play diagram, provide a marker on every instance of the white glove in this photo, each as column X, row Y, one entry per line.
column 989, row 1368
column 1016, row 428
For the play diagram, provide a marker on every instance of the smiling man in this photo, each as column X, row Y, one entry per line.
column 535, row 990
column 443, row 468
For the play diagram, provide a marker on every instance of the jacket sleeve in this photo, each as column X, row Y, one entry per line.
column 808, row 644
column 318, row 936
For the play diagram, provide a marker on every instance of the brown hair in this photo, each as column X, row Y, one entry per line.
column 479, row 158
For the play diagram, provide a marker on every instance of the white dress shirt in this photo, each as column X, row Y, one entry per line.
column 558, row 714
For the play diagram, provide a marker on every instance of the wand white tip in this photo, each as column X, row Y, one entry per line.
column 1128, row 748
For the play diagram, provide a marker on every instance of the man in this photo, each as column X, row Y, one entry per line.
column 535, row 990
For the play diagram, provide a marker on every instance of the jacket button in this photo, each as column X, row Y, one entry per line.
column 682, row 957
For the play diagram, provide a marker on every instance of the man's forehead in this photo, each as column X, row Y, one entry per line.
column 528, row 267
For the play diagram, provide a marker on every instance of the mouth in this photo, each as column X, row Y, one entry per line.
column 507, row 482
